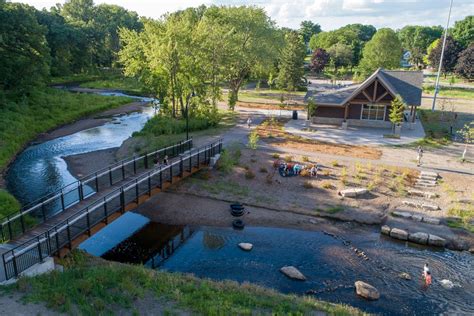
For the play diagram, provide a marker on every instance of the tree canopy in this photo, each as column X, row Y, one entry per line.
column 463, row 31
column 291, row 63
column 416, row 39
column 465, row 64
column 308, row 29
column 319, row 60
column 450, row 58
column 383, row 50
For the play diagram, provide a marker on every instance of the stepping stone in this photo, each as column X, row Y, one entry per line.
column 426, row 182
column 399, row 234
column 405, row 276
column 385, row 230
column 431, row 220
column 366, row 290
column 429, row 174
column 437, row 241
column 353, row 192
column 417, row 217
column 419, row 238
column 427, row 195
column 401, row 214
column 466, row 201
column 412, row 203
column 429, row 207
column 424, row 185
column 293, row 273
column 427, row 178
column 246, row 246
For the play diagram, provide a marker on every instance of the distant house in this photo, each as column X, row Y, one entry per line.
column 405, row 61
column 368, row 103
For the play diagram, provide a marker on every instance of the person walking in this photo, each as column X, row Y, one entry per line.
column 420, row 155
column 165, row 160
column 249, row 122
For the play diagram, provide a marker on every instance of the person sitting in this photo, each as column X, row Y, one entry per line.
column 313, row 171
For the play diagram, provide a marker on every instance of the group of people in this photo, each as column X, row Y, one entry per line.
column 293, row 169
column 157, row 160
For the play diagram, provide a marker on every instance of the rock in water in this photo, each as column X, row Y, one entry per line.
column 447, row 284
column 366, row 290
column 245, row 246
column 293, row 273
column 405, row 276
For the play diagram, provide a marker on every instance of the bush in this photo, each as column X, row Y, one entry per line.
column 164, row 125
column 230, row 157
column 8, row 203
column 263, row 170
column 334, row 163
column 305, row 158
column 276, row 156
column 326, row 173
column 327, row 185
column 253, row 140
column 249, row 174
column 289, row 158
column 304, row 173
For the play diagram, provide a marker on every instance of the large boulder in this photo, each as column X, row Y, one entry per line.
column 405, row 276
column 354, row 192
column 398, row 233
column 419, row 238
column 437, row 241
column 366, row 290
column 293, row 273
column 385, row 230
column 246, row 246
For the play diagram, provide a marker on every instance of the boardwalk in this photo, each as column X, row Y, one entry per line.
column 62, row 232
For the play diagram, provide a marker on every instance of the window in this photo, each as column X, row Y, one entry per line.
column 373, row 112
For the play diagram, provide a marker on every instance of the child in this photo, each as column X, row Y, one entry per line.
column 420, row 155
column 428, row 278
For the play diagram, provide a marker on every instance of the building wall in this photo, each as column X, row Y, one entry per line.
column 354, row 111
column 329, row 111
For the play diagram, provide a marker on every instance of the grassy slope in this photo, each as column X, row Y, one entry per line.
column 451, row 92
column 23, row 120
column 93, row 286
column 116, row 83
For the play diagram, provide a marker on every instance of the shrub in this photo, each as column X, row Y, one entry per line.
column 371, row 185
column 253, row 140
column 327, row 185
column 334, row 163
column 344, row 175
column 263, row 170
column 304, row 173
column 249, row 174
column 305, row 158
column 308, row 185
column 164, row 125
column 8, row 203
column 203, row 174
column 275, row 155
column 326, row 173
column 230, row 157
column 289, row 158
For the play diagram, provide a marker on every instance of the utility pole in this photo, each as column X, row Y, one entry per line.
column 441, row 58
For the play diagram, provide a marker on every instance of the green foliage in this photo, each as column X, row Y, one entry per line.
column 8, row 204
column 291, row 63
column 450, row 57
column 230, row 157
column 341, row 55
column 253, row 140
column 163, row 125
column 308, row 29
column 463, row 31
column 465, row 65
column 311, row 107
column 416, row 39
column 397, row 107
column 22, row 119
column 383, row 50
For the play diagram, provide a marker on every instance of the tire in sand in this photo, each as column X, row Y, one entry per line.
column 238, row 224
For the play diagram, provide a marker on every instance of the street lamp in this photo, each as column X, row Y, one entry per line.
column 187, row 115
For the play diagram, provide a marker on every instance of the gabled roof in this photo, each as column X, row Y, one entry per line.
column 408, row 84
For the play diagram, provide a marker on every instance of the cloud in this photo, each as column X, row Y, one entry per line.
column 330, row 14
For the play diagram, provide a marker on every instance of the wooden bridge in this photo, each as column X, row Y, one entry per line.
column 93, row 208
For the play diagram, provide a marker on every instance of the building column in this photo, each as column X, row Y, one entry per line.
column 414, row 114
column 346, row 112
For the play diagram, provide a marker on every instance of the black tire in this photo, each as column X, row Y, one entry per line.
column 236, row 206
column 238, row 224
column 237, row 212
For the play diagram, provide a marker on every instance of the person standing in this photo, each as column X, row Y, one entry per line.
column 420, row 155
column 249, row 122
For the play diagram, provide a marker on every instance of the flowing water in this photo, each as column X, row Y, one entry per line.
column 330, row 263
column 41, row 169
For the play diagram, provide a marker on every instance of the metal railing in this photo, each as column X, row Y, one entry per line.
column 169, row 248
column 39, row 211
column 50, row 242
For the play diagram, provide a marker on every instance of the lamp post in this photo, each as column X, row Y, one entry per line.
column 441, row 59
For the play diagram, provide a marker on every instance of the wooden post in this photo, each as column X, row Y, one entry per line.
column 414, row 115
column 346, row 112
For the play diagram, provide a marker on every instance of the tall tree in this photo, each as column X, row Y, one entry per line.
column 383, row 50
column 308, row 29
column 24, row 52
column 319, row 60
column 463, row 31
column 341, row 55
column 465, row 65
column 417, row 39
column 291, row 62
column 450, row 58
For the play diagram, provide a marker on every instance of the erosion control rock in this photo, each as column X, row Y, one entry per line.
column 399, row 234
column 366, row 290
column 293, row 273
column 246, row 246
column 437, row 241
column 401, row 214
column 429, row 207
column 419, row 238
column 429, row 174
column 405, row 276
column 385, row 230
column 423, row 194
column 355, row 192
column 431, row 220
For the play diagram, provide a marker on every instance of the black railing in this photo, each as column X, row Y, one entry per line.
column 50, row 242
column 47, row 206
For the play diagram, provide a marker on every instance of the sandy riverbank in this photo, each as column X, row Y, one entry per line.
column 90, row 122
column 87, row 163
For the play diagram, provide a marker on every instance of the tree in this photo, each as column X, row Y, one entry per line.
column 463, row 31
column 308, row 29
column 416, row 39
column 451, row 53
column 465, row 65
column 397, row 107
column 341, row 55
column 24, row 52
column 291, row 62
column 319, row 60
column 311, row 108
column 78, row 10
column 383, row 50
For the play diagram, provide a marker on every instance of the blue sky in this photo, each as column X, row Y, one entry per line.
column 330, row 14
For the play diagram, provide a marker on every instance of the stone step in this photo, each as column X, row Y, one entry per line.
column 416, row 217
column 426, row 181
column 429, row 174
column 428, row 195
column 418, row 237
column 424, row 185
column 421, row 204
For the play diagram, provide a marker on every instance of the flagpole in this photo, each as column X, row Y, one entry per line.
column 441, row 58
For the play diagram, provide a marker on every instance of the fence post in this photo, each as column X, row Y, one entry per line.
column 96, row 182
column 161, row 178
column 190, row 162
column 62, row 200
column 122, row 200
column 181, row 166
column 15, row 267
column 57, row 240
column 22, row 223
column 43, row 211
column 40, row 254
column 136, row 191
column 88, row 222
column 123, row 171
column 106, row 219
column 149, row 183
column 10, row 229
column 110, row 176
column 81, row 191
column 171, row 173
column 69, row 235
column 146, row 160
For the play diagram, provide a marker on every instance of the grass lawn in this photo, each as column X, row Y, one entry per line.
column 268, row 96
column 92, row 286
column 451, row 92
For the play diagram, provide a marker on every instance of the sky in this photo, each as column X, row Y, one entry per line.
column 330, row 14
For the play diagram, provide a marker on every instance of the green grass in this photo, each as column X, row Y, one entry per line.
column 75, row 78
column 8, row 204
column 332, row 209
column 263, row 95
column 465, row 214
column 91, row 286
column 451, row 92
column 130, row 85
column 218, row 187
